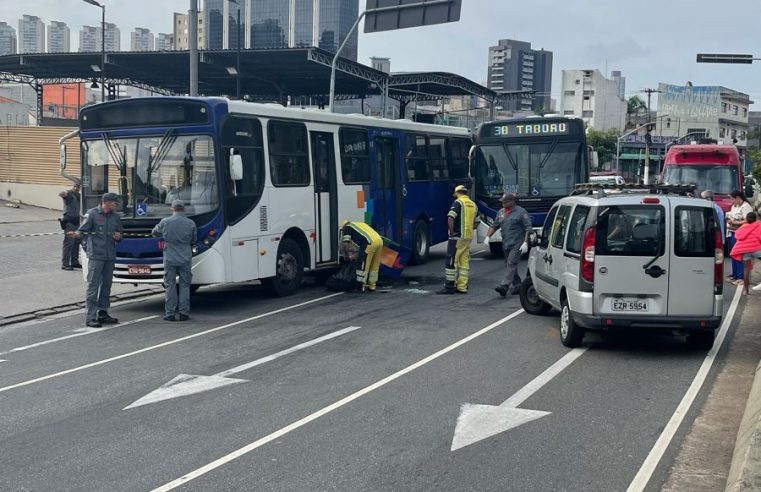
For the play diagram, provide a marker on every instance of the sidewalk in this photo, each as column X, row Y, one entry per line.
column 30, row 266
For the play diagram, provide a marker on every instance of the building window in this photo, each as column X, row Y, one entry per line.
column 586, row 98
column 569, row 93
column 578, row 81
column 587, row 113
column 589, row 93
column 723, row 107
column 743, row 135
column 745, row 112
column 722, row 132
column 734, row 133
column 734, row 109
column 568, row 112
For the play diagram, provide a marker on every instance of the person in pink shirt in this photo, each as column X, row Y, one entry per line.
column 747, row 246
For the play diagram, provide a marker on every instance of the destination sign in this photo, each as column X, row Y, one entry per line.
column 525, row 129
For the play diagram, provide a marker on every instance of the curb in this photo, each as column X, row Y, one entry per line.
column 745, row 472
column 43, row 312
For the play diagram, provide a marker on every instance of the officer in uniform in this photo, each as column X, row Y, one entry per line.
column 516, row 226
column 368, row 245
column 102, row 229
column 70, row 223
column 179, row 234
column 461, row 221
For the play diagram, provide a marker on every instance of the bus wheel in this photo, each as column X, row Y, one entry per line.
column 194, row 289
column 496, row 250
column 421, row 243
column 290, row 269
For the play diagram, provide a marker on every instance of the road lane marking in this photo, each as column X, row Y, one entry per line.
column 478, row 422
column 330, row 408
column 189, row 384
column 164, row 344
column 656, row 453
column 79, row 333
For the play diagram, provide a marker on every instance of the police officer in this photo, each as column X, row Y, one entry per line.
column 102, row 229
column 179, row 234
column 516, row 226
column 362, row 238
column 461, row 220
column 70, row 223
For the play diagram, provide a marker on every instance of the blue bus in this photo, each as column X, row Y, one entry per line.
column 538, row 158
column 267, row 186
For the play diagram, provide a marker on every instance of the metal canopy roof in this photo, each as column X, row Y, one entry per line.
column 273, row 73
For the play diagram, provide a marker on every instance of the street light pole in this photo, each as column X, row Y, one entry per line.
column 193, row 46
column 237, row 57
column 102, row 47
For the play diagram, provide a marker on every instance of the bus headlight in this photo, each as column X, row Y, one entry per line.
column 195, row 250
column 207, row 242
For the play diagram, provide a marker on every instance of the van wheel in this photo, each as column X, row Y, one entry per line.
column 496, row 250
column 530, row 300
column 421, row 242
column 571, row 334
column 701, row 340
column 290, row 269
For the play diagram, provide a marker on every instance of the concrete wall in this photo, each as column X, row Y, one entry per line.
column 33, row 194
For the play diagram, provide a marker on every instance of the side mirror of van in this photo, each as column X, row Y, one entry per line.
column 236, row 167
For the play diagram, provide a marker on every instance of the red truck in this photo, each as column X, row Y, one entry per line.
column 711, row 167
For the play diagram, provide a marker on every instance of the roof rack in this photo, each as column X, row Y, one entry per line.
column 602, row 189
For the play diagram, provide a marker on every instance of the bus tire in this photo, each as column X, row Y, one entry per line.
column 194, row 288
column 289, row 269
column 421, row 242
column 496, row 250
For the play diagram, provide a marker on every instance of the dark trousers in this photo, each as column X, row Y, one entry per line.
column 70, row 253
column 512, row 258
column 738, row 271
column 100, row 275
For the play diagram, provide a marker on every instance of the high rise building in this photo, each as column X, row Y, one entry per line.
column 59, row 37
column 620, row 83
column 141, row 39
column 214, row 23
column 230, row 27
column 300, row 23
column 113, row 38
column 164, row 41
column 31, row 34
column 89, row 39
column 7, row 39
column 181, row 41
column 514, row 66
column 587, row 94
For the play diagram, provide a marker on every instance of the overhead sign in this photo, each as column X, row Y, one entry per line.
column 389, row 15
column 724, row 58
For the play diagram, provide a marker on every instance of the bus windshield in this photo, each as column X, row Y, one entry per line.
column 527, row 169
column 720, row 179
column 150, row 172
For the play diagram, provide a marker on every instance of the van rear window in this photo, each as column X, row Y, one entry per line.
column 694, row 230
column 631, row 230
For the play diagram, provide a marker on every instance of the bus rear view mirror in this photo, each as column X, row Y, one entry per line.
column 236, row 167
column 62, row 157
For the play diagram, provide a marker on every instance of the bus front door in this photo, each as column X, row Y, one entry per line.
column 325, row 197
column 387, row 199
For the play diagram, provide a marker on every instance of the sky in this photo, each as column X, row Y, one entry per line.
column 649, row 41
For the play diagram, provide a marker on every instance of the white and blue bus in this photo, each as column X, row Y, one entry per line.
column 266, row 185
column 538, row 158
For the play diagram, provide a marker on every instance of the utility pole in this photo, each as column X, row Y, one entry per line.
column 648, row 138
column 193, row 46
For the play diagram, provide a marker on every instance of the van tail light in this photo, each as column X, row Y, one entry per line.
column 588, row 256
column 718, row 261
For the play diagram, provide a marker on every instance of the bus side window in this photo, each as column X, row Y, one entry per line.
column 289, row 160
column 243, row 137
column 355, row 156
column 437, row 152
column 458, row 158
column 416, row 157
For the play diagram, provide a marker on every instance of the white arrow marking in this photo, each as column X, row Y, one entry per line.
column 478, row 422
column 189, row 384
column 77, row 333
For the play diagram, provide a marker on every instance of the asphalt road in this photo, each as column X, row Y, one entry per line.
column 375, row 407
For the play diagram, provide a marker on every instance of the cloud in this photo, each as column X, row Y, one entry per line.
column 623, row 49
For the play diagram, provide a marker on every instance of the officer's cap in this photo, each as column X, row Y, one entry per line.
column 110, row 197
column 178, row 205
column 460, row 189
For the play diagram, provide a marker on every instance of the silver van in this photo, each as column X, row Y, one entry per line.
column 639, row 257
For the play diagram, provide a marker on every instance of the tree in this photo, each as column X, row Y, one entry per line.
column 604, row 143
column 755, row 157
column 635, row 105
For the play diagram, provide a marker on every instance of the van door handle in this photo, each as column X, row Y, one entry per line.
column 655, row 271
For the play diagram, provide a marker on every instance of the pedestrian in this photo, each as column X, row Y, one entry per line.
column 747, row 247
column 708, row 195
column 179, row 235
column 70, row 223
column 461, row 220
column 515, row 224
column 366, row 245
column 735, row 218
column 102, row 229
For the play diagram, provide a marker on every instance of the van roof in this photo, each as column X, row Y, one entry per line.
column 683, row 154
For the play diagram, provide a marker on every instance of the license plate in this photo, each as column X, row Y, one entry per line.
column 620, row 304
column 139, row 269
